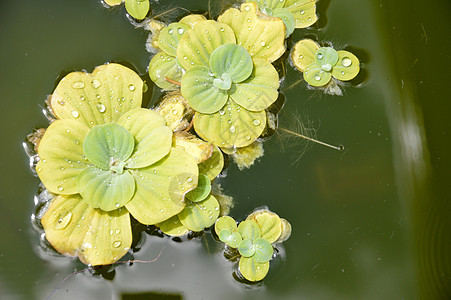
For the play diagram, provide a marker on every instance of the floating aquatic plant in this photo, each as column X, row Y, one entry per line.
column 164, row 70
column 106, row 158
column 254, row 239
column 229, row 79
column 294, row 13
column 138, row 9
column 321, row 65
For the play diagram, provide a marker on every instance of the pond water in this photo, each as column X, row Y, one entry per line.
column 371, row 222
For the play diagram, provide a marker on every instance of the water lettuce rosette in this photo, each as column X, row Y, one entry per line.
column 229, row 79
column 106, row 158
column 321, row 65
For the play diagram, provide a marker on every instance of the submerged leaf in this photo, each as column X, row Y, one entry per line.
column 253, row 270
column 72, row 227
column 106, row 190
column 98, row 98
column 197, row 216
column 230, row 126
column 61, row 156
column 263, row 37
column 138, row 9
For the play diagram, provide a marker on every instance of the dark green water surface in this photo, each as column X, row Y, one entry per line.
column 371, row 222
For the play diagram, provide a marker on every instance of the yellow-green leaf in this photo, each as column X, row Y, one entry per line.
column 304, row 12
column 163, row 67
column 160, row 188
column 259, row 91
column 173, row 227
column 253, row 270
column 98, row 98
column 196, row 45
column 197, row 216
column 262, row 36
column 72, row 227
column 347, row 67
column 138, row 9
column 140, row 122
column 269, row 222
column 212, row 167
column 231, row 126
column 304, row 54
column 61, row 156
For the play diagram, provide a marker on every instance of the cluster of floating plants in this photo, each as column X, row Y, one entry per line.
column 105, row 159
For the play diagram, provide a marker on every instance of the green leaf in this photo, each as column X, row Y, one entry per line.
column 153, row 147
column 287, row 18
column 106, row 190
column 269, row 222
column 251, row 269
column 326, row 57
column 212, row 167
column 231, row 126
column 173, row 227
column 98, row 98
column 263, row 250
column 160, row 187
column 225, row 223
column 304, row 12
column 196, row 45
column 266, row 37
column 246, row 248
column 113, row 2
column 202, row 190
column 138, row 9
column 348, row 66
column 164, row 66
column 224, row 82
column 304, row 54
column 259, row 91
column 97, row 237
column 249, row 230
column 197, row 216
column 192, row 19
column 140, row 122
column 271, row 4
column 169, row 37
column 200, row 91
column 61, row 156
column 233, row 239
column 107, row 144
column 233, row 60
column 315, row 76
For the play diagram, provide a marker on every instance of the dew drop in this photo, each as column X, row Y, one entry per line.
column 263, row 44
column 170, row 31
column 131, row 87
column 180, row 30
column 82, row 98
column 317, row 77
column 63, row 221
column 232, row 129
column 346, row 62
column 78, row 85
column 60, row 188
column 247, row 8
column 190, row 179
column 320, row 55
column 302, row 12
column 101, row 107
column 221, row 112
column 75, row 114
column 117, row 244
column 256, row 122
column 95, row 84
column 118, row 231
column 222, row 29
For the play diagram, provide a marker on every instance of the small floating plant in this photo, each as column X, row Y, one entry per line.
column 104, row 159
